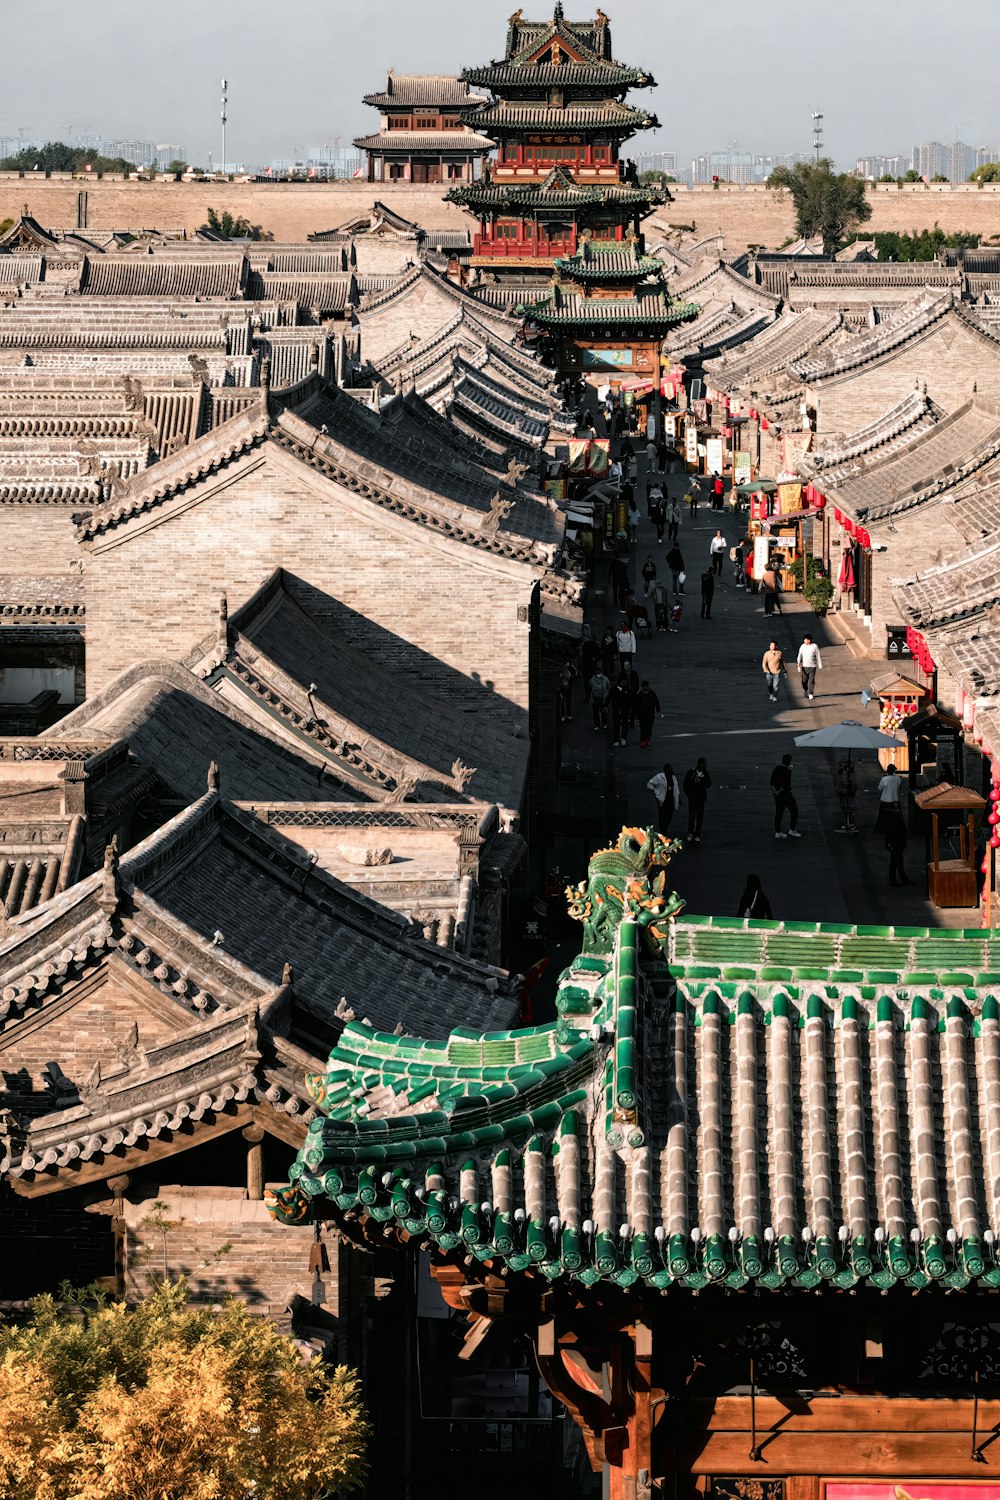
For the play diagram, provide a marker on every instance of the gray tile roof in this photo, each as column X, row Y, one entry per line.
column 178, row 726
column 441, row 89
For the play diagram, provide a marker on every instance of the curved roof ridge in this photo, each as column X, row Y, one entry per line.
column 885, row 338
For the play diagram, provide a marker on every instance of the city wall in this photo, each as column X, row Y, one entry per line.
column 291, row 211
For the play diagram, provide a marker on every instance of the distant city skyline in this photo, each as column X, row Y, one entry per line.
column 301, row 82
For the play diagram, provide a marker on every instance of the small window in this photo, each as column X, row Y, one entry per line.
column 509, row 151
column 396, row 170
column 425, row 122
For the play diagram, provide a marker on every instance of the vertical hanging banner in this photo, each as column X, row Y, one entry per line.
column 691, row 443
column 598, row 457
column 741, row 468
column 713, row 455
column 578, row 449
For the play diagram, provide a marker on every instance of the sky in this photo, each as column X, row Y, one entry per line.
column 885, row 73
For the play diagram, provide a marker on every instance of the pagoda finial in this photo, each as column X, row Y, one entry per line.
column 557, row 14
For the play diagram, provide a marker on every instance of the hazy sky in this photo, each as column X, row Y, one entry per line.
column 886, row 73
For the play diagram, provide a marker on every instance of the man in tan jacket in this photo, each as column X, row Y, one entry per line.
column 773, row 666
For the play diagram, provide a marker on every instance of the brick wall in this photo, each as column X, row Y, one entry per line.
column 37, row 539
column 265, row 1264
column 421, row 604
column 291, row 211
column 78, row 1028
column 950, row 359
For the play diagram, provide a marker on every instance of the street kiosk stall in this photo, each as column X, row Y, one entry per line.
column 775, row 528
column 898, row 700
column 952, row 882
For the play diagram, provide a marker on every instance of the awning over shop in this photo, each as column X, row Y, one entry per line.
column 856, row 532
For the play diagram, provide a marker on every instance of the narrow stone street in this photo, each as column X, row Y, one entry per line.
column 715, row 704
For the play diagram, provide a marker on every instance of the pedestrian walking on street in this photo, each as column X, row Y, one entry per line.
column 590, row 655
column 694, row 495
column 625, row 641
column 772, row 664
column 895, row 841
column 661, row 605
column 657, row 514
column 648, row 577
column 696, row 788
column 666, row 789
column 620, row 581
column 707, row 593
column 769, row 585
column 809, row 663
column 566, row 691
column 736, row 556
column 633, row 522
column 647, row 708
column 673, row 520
column 675, row 562
column 781, row 786
column 718, row 492
column 889, row 791
column 717, row 549
column 753, row 902
column 621, row 710
column 650, row 455
column 609, row 652
column 599, row 688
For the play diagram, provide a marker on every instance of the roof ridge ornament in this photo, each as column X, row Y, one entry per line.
column 108, row 898
column 627, row 879
column 214, row 776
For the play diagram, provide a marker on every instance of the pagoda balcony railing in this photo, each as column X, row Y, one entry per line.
column 524, row 249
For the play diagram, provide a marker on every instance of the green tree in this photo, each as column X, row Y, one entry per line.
column 56, row 156
column 169, row 1401
column 988, row 172
column 231, row 228
column 939, row 177
column 887, row 177
column 176, row 167
column 912, row 176
column 827, row 203
column 921, row 244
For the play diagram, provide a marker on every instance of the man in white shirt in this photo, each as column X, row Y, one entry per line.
column 666, row 789
column 809, row 663
column 626, row 645
column 717, row 549
column 889, row 787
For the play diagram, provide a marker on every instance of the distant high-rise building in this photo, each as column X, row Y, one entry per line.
column 657, row 161
column 141, row 153
column 166, row 152
column 985, row 155
column 874, row 168
column 928, row 159
column 959, row 160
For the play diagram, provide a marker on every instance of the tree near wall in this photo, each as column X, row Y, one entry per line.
column 233, row 228
column 827, row 203
column 169, row 1401
column 988, row 172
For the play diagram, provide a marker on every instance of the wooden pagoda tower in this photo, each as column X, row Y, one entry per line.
column 742, row 1197
column 560, row 212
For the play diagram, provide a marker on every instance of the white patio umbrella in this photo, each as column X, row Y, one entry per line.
column 849, row 735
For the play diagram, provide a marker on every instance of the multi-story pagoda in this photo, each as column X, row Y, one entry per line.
column 560, row 212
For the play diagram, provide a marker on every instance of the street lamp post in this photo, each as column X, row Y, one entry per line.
column 225, row 87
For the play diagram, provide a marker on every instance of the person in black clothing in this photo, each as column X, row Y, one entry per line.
column 781, row 786
column 647, row 706
column 609, row 653
column 753, row 902
column 696, row 786
column 707, row 593
column 619, row 580
column 675, row 562
column 658, row 515
column 621, row 710
column 894, row 831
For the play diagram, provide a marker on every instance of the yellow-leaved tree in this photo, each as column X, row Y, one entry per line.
column 170, row 1401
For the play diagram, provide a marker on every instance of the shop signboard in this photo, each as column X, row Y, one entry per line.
column 905, row 1488
column 713, row 456
column 789, row 498
column 670, row 427
column 691, row 443
column 761, row 552
column 608, row 359
column 741, row 468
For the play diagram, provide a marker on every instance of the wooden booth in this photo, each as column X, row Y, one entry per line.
column 898, row 699
column 952, row 882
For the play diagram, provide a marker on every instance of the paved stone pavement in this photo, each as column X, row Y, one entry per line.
column 711, row 689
